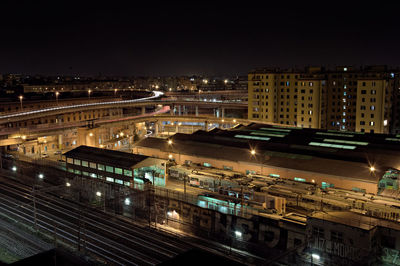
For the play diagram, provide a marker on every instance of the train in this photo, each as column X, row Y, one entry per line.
column 210, row 182
column 230, row 185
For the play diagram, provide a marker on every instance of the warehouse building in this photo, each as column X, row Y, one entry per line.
column 117, row 167
column 329, row 158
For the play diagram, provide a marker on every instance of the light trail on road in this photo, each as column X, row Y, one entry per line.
column 156, row 95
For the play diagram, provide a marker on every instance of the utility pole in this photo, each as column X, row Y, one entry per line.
column 149, row 204
column 184, row 185
column 242, row 198
column 79, row 222
column 34, row 207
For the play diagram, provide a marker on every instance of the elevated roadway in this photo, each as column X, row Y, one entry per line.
column 143, row 102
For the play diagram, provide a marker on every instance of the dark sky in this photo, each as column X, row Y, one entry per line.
column 193, row 37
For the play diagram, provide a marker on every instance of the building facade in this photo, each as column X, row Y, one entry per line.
column 326, row 99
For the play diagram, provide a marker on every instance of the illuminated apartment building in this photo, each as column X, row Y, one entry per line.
column 373, row 105
column 333, row 99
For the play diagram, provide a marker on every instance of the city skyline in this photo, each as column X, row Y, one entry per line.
column 204, row 39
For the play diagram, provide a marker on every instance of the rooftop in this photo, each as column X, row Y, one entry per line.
column 354, row 220
column 339, row 153
column 346, row 218
column 110, row 157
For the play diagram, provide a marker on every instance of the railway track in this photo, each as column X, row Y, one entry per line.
column 107, row 238
column 76, row 225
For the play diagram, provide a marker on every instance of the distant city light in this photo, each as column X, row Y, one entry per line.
column 41, row 176
column 372, row 169
column 98, row 193
column 169, row 142
column 253, row 152
column 68, row 184
column 14, row 168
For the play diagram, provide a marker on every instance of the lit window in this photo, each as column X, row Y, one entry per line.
column 109, row 169
column 127, row 172
column 371, row 123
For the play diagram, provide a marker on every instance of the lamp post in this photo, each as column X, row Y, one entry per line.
column 57, row 93
column 20, row 100
column 89, row 91
column 254, row 153
column 115, row 92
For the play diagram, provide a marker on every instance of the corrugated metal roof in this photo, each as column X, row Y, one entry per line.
column 109, row 157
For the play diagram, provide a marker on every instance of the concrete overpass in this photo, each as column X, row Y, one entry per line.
column 23, row 116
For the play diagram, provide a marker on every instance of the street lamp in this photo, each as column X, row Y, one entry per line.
column 20, row 100
column 57, row 93
column 258, row 160
column 115, row 92
column 89, row 91
column 127, row 201
column 170, row 142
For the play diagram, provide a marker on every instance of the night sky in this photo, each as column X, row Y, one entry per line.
column 196, row 37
